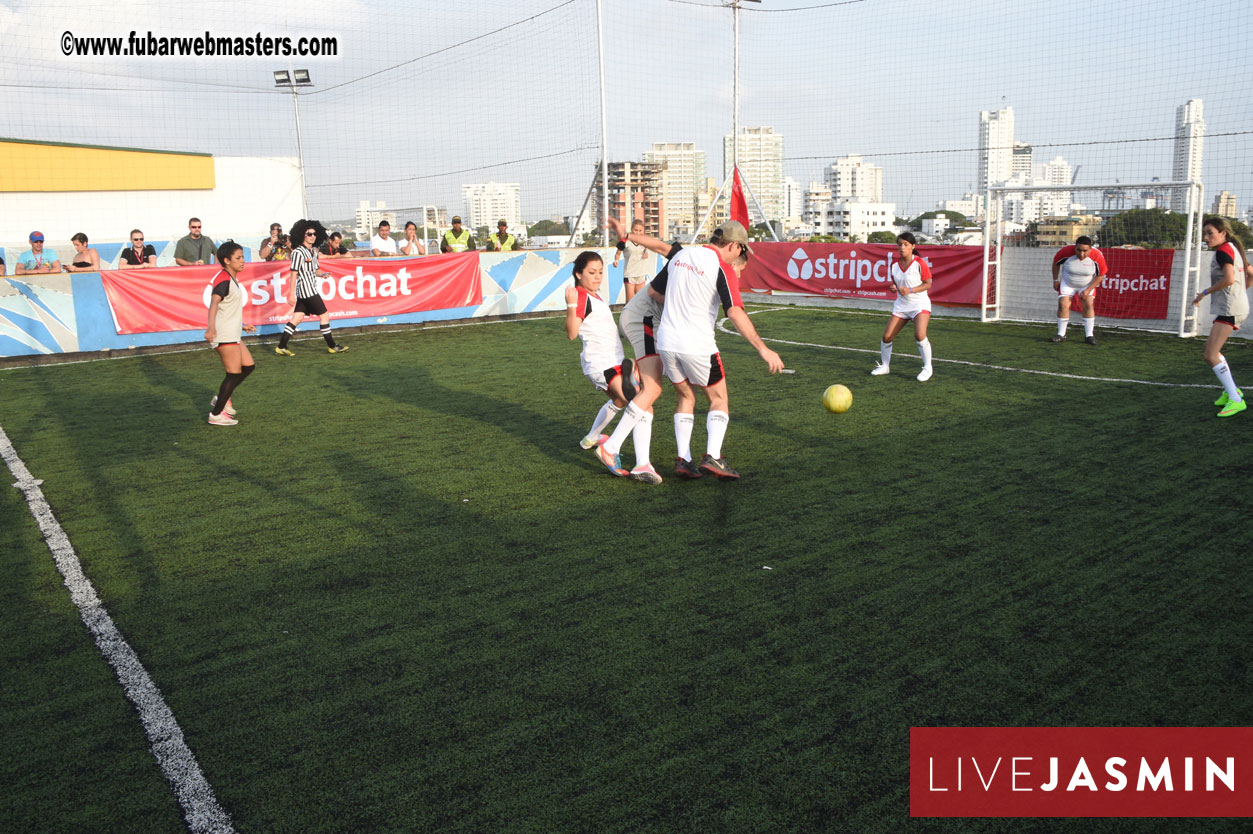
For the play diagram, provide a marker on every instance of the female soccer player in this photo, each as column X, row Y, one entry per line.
column 911, row 278
column 1229, row 302
column 636, row 273
column 224, row 332
column 588, row 317
column 303, row 292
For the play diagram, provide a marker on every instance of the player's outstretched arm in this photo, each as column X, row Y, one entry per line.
column 652, row 244
column 744, row 324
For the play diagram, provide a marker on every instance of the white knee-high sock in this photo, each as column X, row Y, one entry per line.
column 1062, row 324
column 885, row 353
column 1089, row 326
column 1223, row 371
column 924, row 350
column 642, row 437
column 629, row 417
column 683, row 425
column 716, row 425
column 607, row 412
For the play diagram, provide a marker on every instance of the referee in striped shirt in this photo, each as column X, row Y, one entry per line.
column 306, row 236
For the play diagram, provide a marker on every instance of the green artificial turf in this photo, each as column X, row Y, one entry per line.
column 399, row 597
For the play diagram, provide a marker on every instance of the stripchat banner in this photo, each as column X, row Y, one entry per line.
column 177, row 298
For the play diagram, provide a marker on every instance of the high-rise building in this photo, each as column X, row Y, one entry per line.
column 793, row 198
column 1020, row 162
column 1225, row 205
column 1057, row 171
column 760, row 153
column 817, row 198
column 682, row 175
column 488, row 202
column 851, row 179
column 1189, row 147
column 996, row 146
column 635, row 192
column 368, row 218
column 704, row 199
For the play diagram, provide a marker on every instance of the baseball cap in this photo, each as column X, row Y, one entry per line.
column 502, row 222
column 733, row 231
column 36, row 237
column 456, row 219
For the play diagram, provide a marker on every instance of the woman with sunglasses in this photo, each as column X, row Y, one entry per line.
column 302, row 292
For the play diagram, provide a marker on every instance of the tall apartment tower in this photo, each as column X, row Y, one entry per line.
column 682, row 176
column 996, row 147
column 1189, row 146
column 853, row 180
column 488, row 202
column 761, row 166
column 634, row 192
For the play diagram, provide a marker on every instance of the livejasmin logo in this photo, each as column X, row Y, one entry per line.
column 860, row 270
column 1080, row 771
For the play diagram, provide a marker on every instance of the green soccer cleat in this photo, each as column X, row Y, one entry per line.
column 1224, row 399
column 1233, row 408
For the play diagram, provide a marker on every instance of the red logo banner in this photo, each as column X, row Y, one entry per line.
column 1138, row 284
column 1081, row 771
column 177, row 298
column 860, row 270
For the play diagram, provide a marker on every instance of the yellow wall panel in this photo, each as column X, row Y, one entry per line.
column 47, row 166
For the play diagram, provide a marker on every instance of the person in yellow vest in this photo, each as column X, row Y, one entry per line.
column 502, row 241
column 456, row 239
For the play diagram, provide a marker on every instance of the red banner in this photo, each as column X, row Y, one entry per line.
column 739, row 206
column 1081, row 771
column 860, row 270
column 177, row 298
column 1138, row 284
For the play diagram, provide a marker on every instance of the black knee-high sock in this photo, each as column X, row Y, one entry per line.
column 224, row 393
column 246, row 370
column 326, row 334
column 288, row 332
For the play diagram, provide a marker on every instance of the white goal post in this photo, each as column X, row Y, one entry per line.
column 1149, row 233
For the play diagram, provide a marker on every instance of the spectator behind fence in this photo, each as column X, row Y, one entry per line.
column 4, row 270
column 276, row 247
column 85, row 260
column 411, row 245
column 334, row 247
column 502, row 241
column 137, row 256
column 195, row 249
column 35, row 259
column 456, row 239
column 383, row 244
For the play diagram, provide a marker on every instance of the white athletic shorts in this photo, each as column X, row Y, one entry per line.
column 1068, row 290
column 698, row 370
column 640, row 331
column 600, row 376
column 908, row 308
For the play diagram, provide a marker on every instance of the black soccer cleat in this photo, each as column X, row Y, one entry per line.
column 1089, row 340
column 718, row 468
column 629, row 388
column 1055, row 339
column 686, row 469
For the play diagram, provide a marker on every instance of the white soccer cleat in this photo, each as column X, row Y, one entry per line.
column 925, row 375
column 229, row 409
column 222, row 419
column 593, row 442
column 880, row 370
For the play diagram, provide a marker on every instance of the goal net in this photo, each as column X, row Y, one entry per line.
column 1147, row 234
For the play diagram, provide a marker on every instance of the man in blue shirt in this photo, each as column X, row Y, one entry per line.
column 36, row 259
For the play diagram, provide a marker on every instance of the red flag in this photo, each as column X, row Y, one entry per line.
column 739, row 208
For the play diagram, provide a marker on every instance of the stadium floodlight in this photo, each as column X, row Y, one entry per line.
column 291, row 79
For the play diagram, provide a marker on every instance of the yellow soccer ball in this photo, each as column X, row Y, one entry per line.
column 837, row 399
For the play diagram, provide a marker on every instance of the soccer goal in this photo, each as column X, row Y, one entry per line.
column 1149, row 235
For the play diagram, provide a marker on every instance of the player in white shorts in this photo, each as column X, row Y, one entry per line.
column 638, row 262
column 911, row 278
column 693, row 284
column 588, row 317
column 1077, row 271
column 1230, row 278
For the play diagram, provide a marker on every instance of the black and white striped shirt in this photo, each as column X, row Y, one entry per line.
column 304, row 264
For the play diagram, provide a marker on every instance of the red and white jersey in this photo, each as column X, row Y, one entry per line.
column 1079, row 272
column 917, row 274
column 1234, row 300
column 695, row 282
column 602, row 347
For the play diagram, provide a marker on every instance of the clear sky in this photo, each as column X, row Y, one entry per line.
column 424, row 96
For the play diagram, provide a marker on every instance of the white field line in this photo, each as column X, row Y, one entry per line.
column 723, row 322
column 177, row 762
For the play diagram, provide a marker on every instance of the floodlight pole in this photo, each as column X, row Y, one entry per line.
column 604, row 130
column 289, row 80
